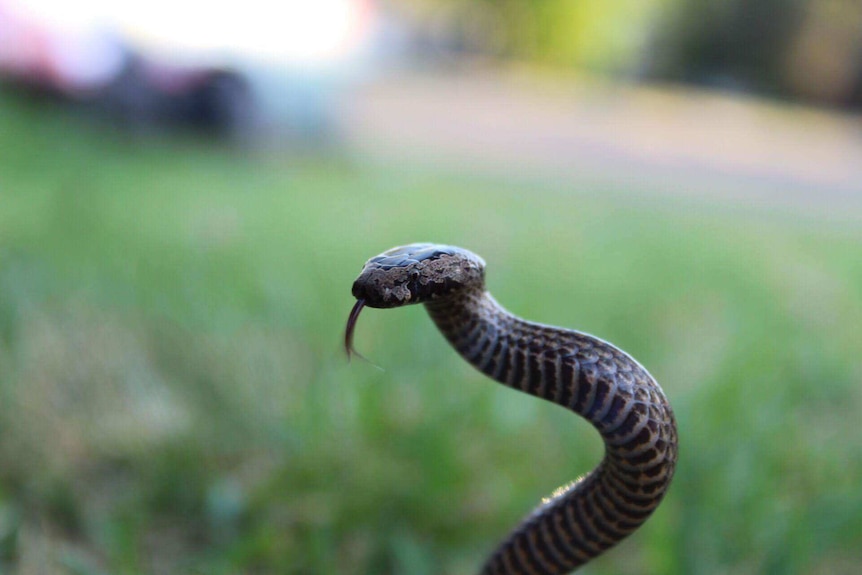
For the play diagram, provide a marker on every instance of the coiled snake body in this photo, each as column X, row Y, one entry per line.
column 577, row 371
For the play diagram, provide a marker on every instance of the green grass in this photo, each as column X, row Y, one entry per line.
column 173, row 397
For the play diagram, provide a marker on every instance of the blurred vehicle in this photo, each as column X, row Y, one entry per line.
column 105, row 75
column 147, row 93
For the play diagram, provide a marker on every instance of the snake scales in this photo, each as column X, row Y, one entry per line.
column 577, row 371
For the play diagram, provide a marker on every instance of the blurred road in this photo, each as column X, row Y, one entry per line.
column 641, row 139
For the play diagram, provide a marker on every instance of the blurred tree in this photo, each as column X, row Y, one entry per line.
column 808, row 49
column 583, row 33
column 800, row 49
column 734, row 43
column 824, row 61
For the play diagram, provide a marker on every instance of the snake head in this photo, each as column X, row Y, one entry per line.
column 415, row 273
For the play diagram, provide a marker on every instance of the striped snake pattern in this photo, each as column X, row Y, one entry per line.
column 591, row 377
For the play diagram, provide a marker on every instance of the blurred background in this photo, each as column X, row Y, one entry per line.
column 188, row 189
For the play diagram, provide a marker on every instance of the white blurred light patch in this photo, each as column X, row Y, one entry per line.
column 290, row 32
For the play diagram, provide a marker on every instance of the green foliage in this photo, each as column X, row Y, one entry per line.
column 600, row 36
column 173, row 398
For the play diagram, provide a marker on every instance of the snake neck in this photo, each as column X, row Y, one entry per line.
column 597, row 381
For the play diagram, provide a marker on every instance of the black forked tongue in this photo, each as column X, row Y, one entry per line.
column 348, row 333
column 351, row 324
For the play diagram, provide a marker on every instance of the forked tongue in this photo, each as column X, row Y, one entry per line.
column 348, row 333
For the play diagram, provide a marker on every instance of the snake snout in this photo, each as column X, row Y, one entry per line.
column 372, row 294
column 359, row 291
column 384, row 288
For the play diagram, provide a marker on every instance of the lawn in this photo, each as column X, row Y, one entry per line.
column 174, row 399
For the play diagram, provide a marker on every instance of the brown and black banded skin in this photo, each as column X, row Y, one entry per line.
column 580, row 372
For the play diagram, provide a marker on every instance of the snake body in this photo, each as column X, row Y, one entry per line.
column 580, row 372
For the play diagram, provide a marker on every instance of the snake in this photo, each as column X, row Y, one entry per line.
column 575, row 370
